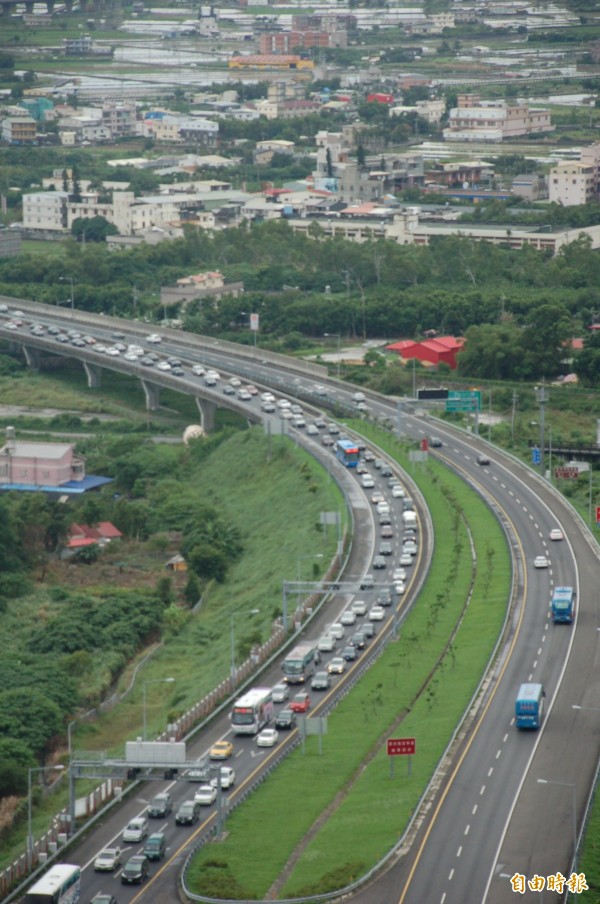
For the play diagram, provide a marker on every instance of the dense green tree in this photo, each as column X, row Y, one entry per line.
column 587, row 362
column 92, row 229
column 16, row 759
column 209, row 562
column 29, row 716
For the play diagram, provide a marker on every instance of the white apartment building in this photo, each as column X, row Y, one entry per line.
column 183, row 129
column 45, row 211
column 576, row 182
column 493, row 120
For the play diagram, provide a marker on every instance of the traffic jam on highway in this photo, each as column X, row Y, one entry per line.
column 263, row 717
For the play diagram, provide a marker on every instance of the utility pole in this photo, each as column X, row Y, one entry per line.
column 512, row 420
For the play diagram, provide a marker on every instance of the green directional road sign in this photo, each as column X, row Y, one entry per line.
column 467, row 400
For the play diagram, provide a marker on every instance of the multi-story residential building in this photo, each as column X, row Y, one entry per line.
column 45, row 211
column 195, row 130
column 39, row 465
column 576, row 181
column 289, row 41
column 19, row 130
column 82, row 44
column 493, row 120
column 429, row 110
column 120, row 119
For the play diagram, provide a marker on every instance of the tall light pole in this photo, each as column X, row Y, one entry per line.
column 339, row 340
column 572, row 786
column 318, row 555
column 69, row 279
column 542, row 396
column 69, row 744
column 151, row 681
column 233, row 616
column 29, row 818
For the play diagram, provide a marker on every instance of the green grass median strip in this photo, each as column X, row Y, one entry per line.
column 322, row 820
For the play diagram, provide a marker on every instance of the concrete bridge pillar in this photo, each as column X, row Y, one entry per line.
column 32, row 356
column 93, row 374
column 152, row 393
column 207, row 413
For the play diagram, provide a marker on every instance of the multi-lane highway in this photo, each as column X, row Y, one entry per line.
column 492, row 818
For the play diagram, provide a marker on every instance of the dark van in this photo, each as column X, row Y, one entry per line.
column 155, row 847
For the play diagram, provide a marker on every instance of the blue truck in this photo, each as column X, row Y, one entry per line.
column 529, row 706
column 563, row 605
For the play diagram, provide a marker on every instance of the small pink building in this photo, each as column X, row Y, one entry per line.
column 31, row 464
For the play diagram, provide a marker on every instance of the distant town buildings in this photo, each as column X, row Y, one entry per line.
column 493, row 120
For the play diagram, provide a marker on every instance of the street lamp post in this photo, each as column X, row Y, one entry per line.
column 542, row 396
column 69, row 279
column 318, row 555
column 339, row 340
column 29, row 816
column 150, row 681
column 572, row 786
column 233, row 668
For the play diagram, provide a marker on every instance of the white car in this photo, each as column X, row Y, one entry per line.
column 399, row 587
column 326, row 644
column 540, row 562
column 398, row 491
column 405, row 559
column 367, row 482
column 163, row 365
column 337, row 666
column 227, row 777
column 244, row 395
column 198, row 370
column 410, row 546
column 108, row 860
column 235, row 381
column 205, row 795
column 348, row 617
column 284, row 403
column 268, row 737
column 336, row 630
column 265, row 396
column 399, row 574
column 359, row 607
column 280, row 693
column 556, row 534
column 154, row 338
column 130, row 356
column 376, row 613
column 112, row 351
column 377, row 497
column 136, row 830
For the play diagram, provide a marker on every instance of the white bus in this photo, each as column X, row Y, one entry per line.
column 252, row 711
column 60, row 885
column 300, row 663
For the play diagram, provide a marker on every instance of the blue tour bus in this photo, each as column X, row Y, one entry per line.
column 347, row 452
column 563, row 605
column 529, row 706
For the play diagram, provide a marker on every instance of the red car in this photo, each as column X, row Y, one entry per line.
column 300, row 703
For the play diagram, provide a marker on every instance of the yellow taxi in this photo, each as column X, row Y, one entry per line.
column 222, row 750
